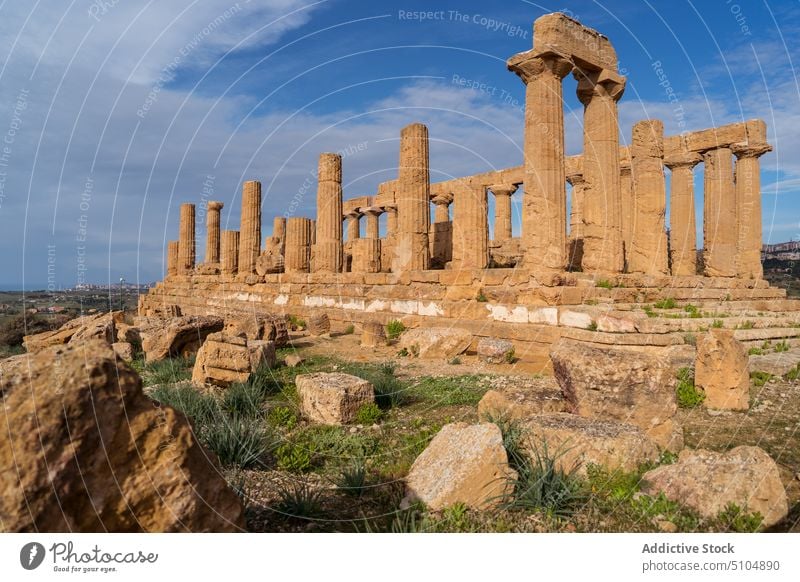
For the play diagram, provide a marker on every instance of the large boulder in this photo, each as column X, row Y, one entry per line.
column 225, row 359
column 495, row 351
column 318, row 324
column 621, row 385
column 577, row 442
column 259, row 327
column 332, row 398
column 181, row 336
column 515, row 400
column 707, row 482
column 101, row 326
column 462, row 464
column 435, row 342
column 721, row 371
column 86, row 451
column 373, row 334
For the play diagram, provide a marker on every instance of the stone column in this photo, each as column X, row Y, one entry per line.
column 250, row 227
column 599, row 92
column 411, row 251
column 648, row 252
column 212, row 231
column 279, row 229
column 626, row 200
column 719, row 214
column 575, row 251
column 353, row 225
column 373, row 214
column 298, row 245
column 229, row 252
column 387, row 243
column 172, row 258
column 502, row 210
column 748, row 209
column 470, row 228
column 682, row 229
column 544, row 205
column 328, row 247
column 441, row 243
column 186, row 240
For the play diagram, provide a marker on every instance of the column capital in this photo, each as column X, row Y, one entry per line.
column 682, row 160
column 215, row 205
column 529, row 65
column 443, row 199
column 353, row 213
column 503, row 189
column 603, row 83
column 744, row 150
column 576, row 178
column 372, row 210
column 624, row 167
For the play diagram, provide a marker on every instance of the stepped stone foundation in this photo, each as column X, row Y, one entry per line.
column 584, row 275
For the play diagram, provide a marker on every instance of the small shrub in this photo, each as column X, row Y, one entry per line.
column 296, row 456
column 717, row 323
column 781, row 346
column 410, row 520
column 349, row 330
column 403, row 353
column 297, row 323
column 760, row 378
column 735, row 519
column 394, row 328
column 282, row 417
column 693, row 311
column 687, row 393
column 244, row 400
column 481, row 298
column 237, row 441
column 592, row 326
column 794, row 373
column 690, row 339
column 510, row 356
column 605, row 284
column 369, row 413
column 666, row 303
column 300, row 501
column 755, row 352
column 747, row 324
column 648, row 311
column 455, row 361
column 353, row 478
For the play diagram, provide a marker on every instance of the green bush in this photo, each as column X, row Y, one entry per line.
column 688, row 395
column 238, row 441
column 394, row 328
column 369, row 413
column 349, row 330
column 735, row 519
column 747, row 325
column 353, row 478
column 781, row 346
column 511, row 356
column 295, row 456
column 299, row 501
column 296, row 322
column 605, row 284
column 755, row 352
column 481, row 298
column 718, row 323
column 760, row 378
column 666, row 303
column 693, row 311
column 592, row 326
column 282, row 417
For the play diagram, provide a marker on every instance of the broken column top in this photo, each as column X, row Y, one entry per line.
column 558, row 34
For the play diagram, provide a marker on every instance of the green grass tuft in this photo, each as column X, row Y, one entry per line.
column 666, row 303
column 394, row 328
column 688, row 395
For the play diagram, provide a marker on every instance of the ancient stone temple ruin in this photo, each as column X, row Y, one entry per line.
column 583, row 265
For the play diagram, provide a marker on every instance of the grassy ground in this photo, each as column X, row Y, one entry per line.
column 294, row 476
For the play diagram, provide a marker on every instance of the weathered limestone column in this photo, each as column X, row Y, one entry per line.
column 212, row 231
column 367, row 250
column 186, row 239
column 387, row 243
column 279, row 229
column 373, row 214
column 353, row 225
column 719, row 214
column 411, row 251
column 599, row 92
column 575, row 252
column 172, row 258
column 648, row 253
column 748, row 209
column 328, row 248
column 470, row 228
column 502, row 210
column 298, row 245
column 544, row 205
column 229, row 252
column 682, row 229
column 626, row 200
column 441, row 243
column 250, row 227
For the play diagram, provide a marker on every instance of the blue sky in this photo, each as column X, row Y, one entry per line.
column 113, row 113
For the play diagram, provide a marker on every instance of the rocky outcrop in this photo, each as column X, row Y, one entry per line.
column 259, row 327
column 435, row 342
column 577, row 442
column 620, row 385
column 462, row 464
column 495, row 351
column 515, row 401
column 707, row 482
column 89, row 452
column 721, row 371
column 181, row 336
column 225, row 359
column 123, row 350
column 101, row 326
column 332, row 398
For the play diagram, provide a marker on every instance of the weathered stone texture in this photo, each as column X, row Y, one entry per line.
column 721, row 371
column 435, row 342
column 332, row 398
